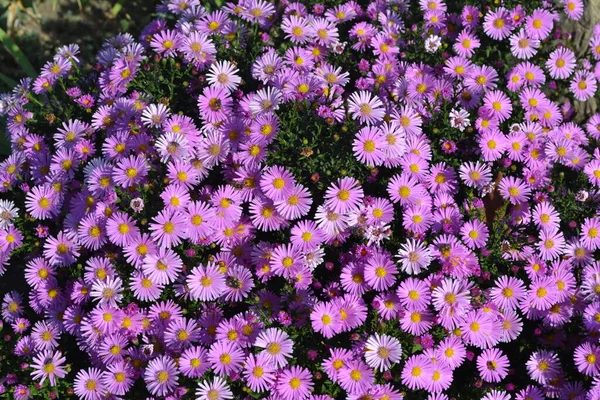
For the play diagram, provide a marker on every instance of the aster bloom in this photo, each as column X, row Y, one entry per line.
column 118, row 379
column 215, row 104
column 166, row 42
column 92, row 232
column 381, row 351
column 277, row 346
column 590, row 231
column 62, row 250
column 499, row 104
column 480, row 329
column 365, row 108
column 497, row 395
column 225, row 357
column 8, row 212
column 216, row 389
column 144, row 194
column 546, row 216
column 451, row 298
column 324, row 32
column 47, row 364
column 160, row 376
column 175, row 197
column 417, row 371
column 475, row 174
column 325, row 319
column 586, row 358
column 162, row 267
column 144, row 288
column 223, row 74
column 41, row 202
column 130, row 171
column 206, row 283
column 452, row 351
column 492, row 365
column 497, row 24
column 295, row 204
column 523, row 46
column 474, row 234
column 466, row 44
column 441, row 377
column 369, row 146
column 200, row 217
column 154, row 115
column 38, row 271
column 259, row 373
column 306, row 235
column 405, row 189
column 294, row 383
column 277, row 183
column 168, row 228
column 573, row 9
column 543, row 366
column 417, row 322
column 286, row 260
column 414, row 294
column 561, row 63
column 583, row 85
column 107, row 291
column 508, row 292
column 380, row 271
column 355, row 376
column 539, row 24
column 514, row 190
column 297, row 29
column 44, row 334
column 22, row 392
column 197, row 48
column 193, row 362
column 414, row 256
column 417, row 219
column 88, row 385
column 181, row 333
column 344, row 195
column 551, row 244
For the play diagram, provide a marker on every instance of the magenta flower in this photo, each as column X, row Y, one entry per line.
column 294, row 384
column 48, row 365
column 492, row 365
column 161, row 376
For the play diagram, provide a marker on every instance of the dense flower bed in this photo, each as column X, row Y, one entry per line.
column 314, row 201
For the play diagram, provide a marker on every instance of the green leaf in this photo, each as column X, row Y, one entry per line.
column 416, row 347
column 11, row 83
column 116, row 8
column 17, row 54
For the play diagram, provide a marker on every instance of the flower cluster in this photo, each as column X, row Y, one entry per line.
column 306, row 203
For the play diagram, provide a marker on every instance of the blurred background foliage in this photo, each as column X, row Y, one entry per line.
column 31, row 30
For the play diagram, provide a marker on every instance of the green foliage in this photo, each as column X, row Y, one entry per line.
column 16, row 52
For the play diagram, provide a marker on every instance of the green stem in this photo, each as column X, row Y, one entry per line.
column 36, row 101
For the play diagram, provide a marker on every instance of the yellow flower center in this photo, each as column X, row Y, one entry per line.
column 295, row 383
column 590, row 359
column 355, row 375
column 225, row 359
column 49, row 368
column 169, row 227
column 162, row 376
